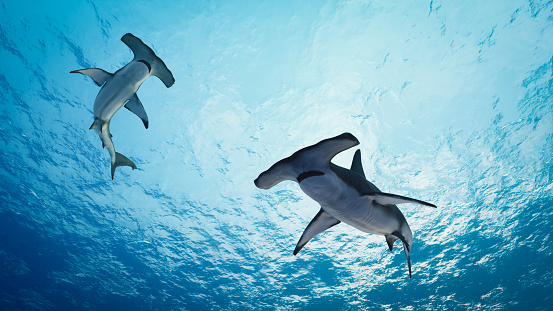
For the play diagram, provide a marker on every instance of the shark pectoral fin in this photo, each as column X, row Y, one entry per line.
column 142, row 51
column 98, row 75
column 121, row 160
column 135, row 106
column 392, row 199
column 320, row 223
column 390, row 239
column 356, row 165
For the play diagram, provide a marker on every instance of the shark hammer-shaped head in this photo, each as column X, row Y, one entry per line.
column 291, row 167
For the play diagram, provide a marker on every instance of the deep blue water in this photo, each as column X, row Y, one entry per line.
column 452, row 102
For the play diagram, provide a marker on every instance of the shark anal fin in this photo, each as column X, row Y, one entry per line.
column 98, row 75
column 320, row 223
column 121, row 160
column 135, row 106
column 143, row 52
column 356, row 165
column 392, row 199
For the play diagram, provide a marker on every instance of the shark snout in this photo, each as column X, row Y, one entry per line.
column 260, row 183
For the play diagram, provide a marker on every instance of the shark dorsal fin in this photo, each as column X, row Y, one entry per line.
column 356, row 165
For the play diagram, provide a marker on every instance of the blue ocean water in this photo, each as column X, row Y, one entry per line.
column 452, row 102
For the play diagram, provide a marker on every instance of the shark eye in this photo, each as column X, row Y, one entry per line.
column 308, row 174
column 145, row 63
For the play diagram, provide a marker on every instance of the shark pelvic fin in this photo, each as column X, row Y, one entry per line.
column 97, row 124
column 390, row 239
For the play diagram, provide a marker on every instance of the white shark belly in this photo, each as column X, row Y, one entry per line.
column 345, row 204
column 117, row 91
column 105, row 136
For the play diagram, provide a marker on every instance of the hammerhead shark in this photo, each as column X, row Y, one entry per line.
column 119, row 89
column 344, row 195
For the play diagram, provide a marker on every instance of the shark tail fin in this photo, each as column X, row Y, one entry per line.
column 143, row 52
column 121, row 160
column 406, row 247
column 407, row 251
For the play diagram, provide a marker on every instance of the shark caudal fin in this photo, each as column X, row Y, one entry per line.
column 407, row 251
column 121, row 160
column 406, row 247
column 143, row 52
